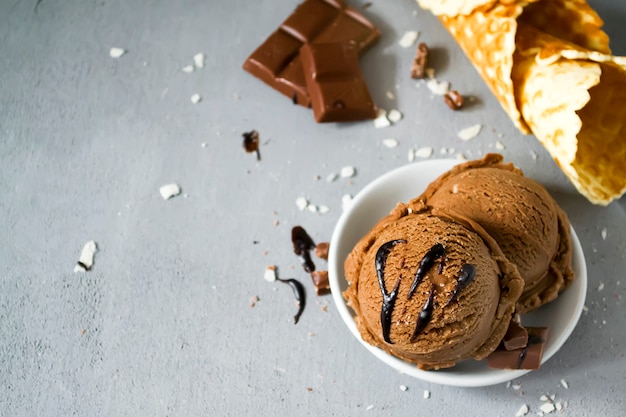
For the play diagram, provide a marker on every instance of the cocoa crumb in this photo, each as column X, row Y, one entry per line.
column 320, row 280
column 321, row 250
column 453, row 99
column 418, row 68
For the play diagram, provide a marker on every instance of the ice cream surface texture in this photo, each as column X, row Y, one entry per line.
column 431, row 289
column 522, row 217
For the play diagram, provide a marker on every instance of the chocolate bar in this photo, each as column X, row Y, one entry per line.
column 336, row 86
column 528, row 357
column 516, row 336
column 277, row 61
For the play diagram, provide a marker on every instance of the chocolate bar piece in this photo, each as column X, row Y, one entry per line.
column 516, row 336
column 277, row 61
column 336, row 85
column 528, row 357
column 320, row 280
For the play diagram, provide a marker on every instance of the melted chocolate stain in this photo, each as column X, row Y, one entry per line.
column 302, row 245
column 427, row 262
column 251, row 143
column 299, row 294
column 425, row 314
column 389, row 299
column 466, row 275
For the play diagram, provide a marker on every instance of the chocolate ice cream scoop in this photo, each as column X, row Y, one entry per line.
column 530, row 228
column 433, row 290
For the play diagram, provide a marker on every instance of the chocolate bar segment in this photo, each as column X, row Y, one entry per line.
column 277, row 63
column 516, row 336
column 528, row 357
column 335, row 83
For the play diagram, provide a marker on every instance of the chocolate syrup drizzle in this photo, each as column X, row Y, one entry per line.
column 427, row 262
column 302, row 245
column 389, row 299
column 299, row 294
column 464, row 278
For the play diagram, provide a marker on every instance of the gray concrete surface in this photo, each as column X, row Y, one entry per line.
column 162, row 325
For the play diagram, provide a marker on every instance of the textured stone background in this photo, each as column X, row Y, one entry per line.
column 162, row 325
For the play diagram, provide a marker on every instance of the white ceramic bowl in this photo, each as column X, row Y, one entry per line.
column 375, row 201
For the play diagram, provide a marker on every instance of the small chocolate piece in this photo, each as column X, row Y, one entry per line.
column 335, row 83
column 418, row 68
column 321, row 250
column 528, row 357
column 299, row 293
column 302, row 245
column 320, row 280
column 453, row 99
column 251, row 143
column 277, row 62
column 516, row 336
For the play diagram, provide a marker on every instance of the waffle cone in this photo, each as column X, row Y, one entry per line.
column 550, row 66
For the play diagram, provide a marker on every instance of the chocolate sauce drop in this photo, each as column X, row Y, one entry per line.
column 425, row 314
column 466, row 275
column 251, row 143
column 302, row 245
column 389, row 299
column 299, row 294
column 437, row 251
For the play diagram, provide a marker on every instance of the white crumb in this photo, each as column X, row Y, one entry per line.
column 430, row 73
column 381, row 119
column 424, row 152
column 270, row 273
column 203, row 145
column 331, row 177
column 469, row 132
column 390, row 143
column 116, row 52
column 460, row 157
column 302, row 203
column 348, row 172
column 603, row 233
column 196, row 98
column 439, row 88
column 558, row 406
column 455, row 189
column 564, row 384
column 198, row 60
column 312, row 208
column 426, row 394
column 187, row 68
column 411, row 155
column 394, row 116
column 403, row 388
column 547, row 407
column 544, row 397
column 346, row 201
column 533, row 155
column 516, row 386
column 601, row 286
column 499, row 146
column 408, row 39
column 85, row 261
column 370, row 407
column 168, row 191
column 390, row 95
column 323, row 209
column 523, row 410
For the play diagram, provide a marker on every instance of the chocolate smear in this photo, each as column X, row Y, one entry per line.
column 466, row 275
column 302, row 245
column 299, row 294
column 251, row 143
column 389, row 299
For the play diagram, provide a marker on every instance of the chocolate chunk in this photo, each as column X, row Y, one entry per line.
column 251, row 143
column 335, row 83
column 320, row 280
column 418, row 68
column 528, row 357
column 516, row 336
column 321, row 250
column 277, row 61
column 453, row 99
